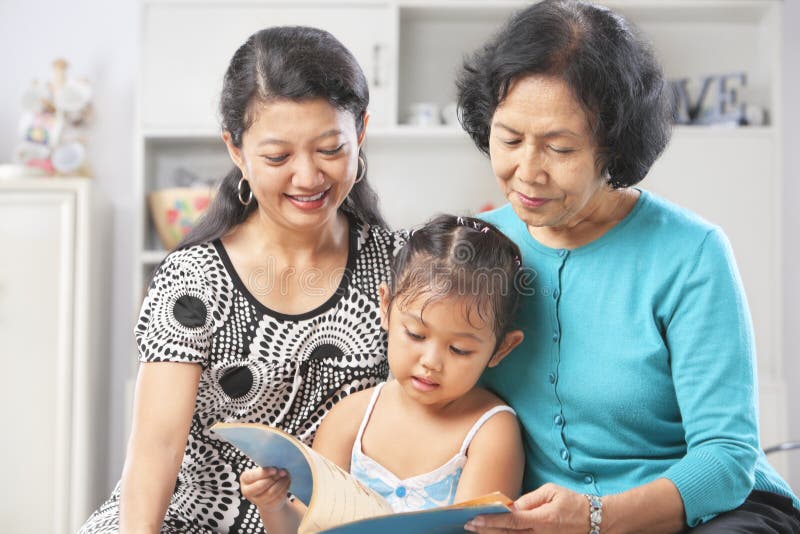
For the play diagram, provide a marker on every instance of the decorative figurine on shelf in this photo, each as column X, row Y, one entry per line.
column 52, row 126
column 720, row 101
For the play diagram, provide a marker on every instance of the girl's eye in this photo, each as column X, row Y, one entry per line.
column 333, row 151
column 511, row 142
column 412, row 335
column 559, row 150
column 460, row 352
column 276, row 159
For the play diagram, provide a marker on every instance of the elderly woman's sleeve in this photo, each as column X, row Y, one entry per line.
column 712, row 357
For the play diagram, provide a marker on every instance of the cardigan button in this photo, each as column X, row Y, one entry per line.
column 400, row 492
column 564, row 454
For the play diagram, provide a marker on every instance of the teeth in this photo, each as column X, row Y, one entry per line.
column 312, row 198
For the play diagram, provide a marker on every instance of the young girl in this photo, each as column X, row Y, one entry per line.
column 429, row 436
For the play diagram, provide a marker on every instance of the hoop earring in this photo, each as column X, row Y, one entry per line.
column 362, row 168
column 249, row 190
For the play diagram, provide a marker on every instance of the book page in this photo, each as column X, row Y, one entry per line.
column 339, row 497
column 490, row 498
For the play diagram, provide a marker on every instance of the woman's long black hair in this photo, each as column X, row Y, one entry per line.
column 294, row 63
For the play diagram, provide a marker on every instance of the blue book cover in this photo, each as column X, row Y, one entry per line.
column 435, row 521
column 273, row 448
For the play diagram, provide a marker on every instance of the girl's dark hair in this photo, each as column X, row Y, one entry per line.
column 295, row 63
column 460, row 257
column 610, row 70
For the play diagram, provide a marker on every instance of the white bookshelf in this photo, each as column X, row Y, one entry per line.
column 411, row 50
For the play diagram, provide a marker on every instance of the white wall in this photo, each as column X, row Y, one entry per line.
column 791, row 214
column 99, row 39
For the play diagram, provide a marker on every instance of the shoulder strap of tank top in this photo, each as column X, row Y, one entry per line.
column 479, row 423
column 367, row 414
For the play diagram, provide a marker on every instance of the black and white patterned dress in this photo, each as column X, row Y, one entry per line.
column 257, row 366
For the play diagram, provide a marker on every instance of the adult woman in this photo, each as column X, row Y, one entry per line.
column 635, row 382
column 268, row 311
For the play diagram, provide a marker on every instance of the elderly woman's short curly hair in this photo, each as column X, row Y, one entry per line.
column 612, row 73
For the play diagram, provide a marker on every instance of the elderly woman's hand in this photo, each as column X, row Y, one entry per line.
column 549, row 509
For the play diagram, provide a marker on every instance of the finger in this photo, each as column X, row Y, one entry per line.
column 257, row 473
column 250, row 475
column 534, row 499
column 510, row 522
column 258, row 485
column 493, row 530
column 257, row 489
column 277, row 490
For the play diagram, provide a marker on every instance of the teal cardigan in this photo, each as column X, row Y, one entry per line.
column 638, row 363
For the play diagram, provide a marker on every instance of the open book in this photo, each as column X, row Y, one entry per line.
column 337, row 502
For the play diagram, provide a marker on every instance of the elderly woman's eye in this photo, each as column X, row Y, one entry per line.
column 561, row 150
column 511, row 142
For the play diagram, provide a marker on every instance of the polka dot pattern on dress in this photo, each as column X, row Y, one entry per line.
column 257, row 367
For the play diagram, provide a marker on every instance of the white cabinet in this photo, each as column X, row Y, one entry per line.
column 52, row 388
column 187, row 47
column 411, row 51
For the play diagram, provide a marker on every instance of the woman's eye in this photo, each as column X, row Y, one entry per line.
column 414, row 336
column 333, row 151
column 511, row 142
column 560, row 150
column 276, row 159
column 460, row 352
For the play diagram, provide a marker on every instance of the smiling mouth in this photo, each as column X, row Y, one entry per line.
column 531, row 202
column 309, row 198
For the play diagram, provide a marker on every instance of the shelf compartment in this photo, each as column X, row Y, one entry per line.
column 736, row 36
column 180, row 161
column 432, row 47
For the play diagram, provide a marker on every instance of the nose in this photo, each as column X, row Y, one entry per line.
column 307, row 174
column 531, row 168
column 430, row 358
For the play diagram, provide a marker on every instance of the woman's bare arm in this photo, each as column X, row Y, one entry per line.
column 163, row 408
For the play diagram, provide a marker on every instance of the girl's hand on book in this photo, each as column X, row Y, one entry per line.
column 266, row 487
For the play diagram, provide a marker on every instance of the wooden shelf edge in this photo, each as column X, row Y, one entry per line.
column 432, row 133
column 152, row 257
column 180, row 133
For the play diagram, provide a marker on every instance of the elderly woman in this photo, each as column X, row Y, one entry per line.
column 635, row 383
